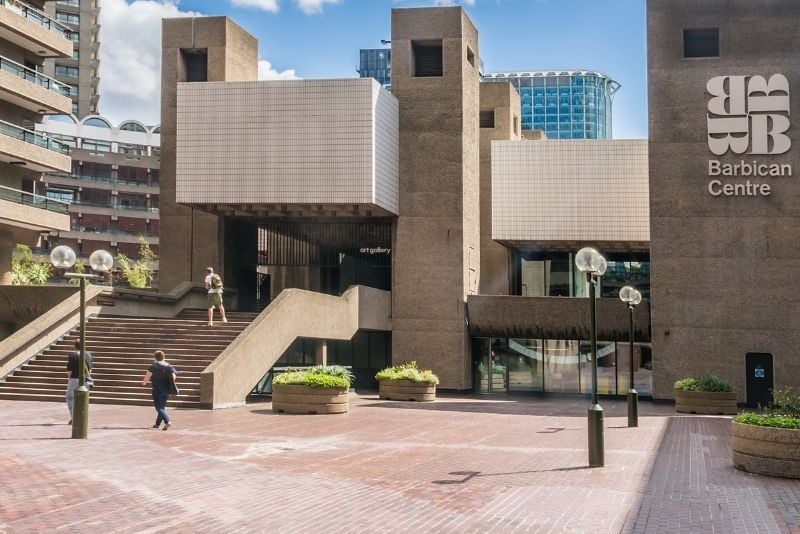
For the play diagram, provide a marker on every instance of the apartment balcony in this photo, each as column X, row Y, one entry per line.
column 32, row 30
column 31, row 90
column 24, row 214
column 36, row 152
column 102, row 182
column 103, row 208
column 108, row 234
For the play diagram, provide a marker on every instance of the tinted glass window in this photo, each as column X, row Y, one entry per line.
column 703, row 42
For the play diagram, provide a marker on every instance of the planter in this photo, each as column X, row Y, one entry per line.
column 407, row 390
column 288, row 398
column 766, row 450
column 705, row 402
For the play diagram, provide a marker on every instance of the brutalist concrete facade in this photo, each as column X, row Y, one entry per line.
column 436, row 258
column 195, row 50
column 725, row 257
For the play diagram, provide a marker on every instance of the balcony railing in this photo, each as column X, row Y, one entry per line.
column 34, row 77
column 117, row 231
column 29, row 199
column 108, row 205
column 36, row 16
column 102, row 179
column 12, row 130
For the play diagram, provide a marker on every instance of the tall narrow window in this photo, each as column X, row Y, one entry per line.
column 427, row 58
column 196, row 63
column 701, row 42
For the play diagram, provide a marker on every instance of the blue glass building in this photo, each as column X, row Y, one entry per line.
column 563, row 104
column 376, row 63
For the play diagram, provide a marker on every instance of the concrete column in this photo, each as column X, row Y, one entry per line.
column 6, row 251
column 321, row 354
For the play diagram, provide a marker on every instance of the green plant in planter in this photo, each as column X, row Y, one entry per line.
column 709, row 383
column 784, row 412
column 318, row 376
column 408, row 371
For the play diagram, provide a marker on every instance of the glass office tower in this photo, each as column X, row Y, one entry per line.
column 563, row 104
column 376, row 63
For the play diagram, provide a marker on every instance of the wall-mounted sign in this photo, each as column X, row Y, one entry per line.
column 747, row 115
column 375, row 250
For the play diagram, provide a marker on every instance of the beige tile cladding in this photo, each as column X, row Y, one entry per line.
column 293, row 142
column 594, row 190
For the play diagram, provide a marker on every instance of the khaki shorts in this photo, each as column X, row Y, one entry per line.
column 214, row 299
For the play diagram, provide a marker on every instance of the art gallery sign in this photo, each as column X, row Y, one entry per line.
column 747, row 115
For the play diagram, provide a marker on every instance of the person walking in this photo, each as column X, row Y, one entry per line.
column 74, row 374
column 161, row 374
column 214, row 286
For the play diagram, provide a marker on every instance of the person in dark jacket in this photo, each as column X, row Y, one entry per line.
column 160, row 374
column 74, row 373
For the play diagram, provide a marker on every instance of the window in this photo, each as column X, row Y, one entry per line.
column 487, row 119
column 70, row 3
column 701, row 42
column 470, row 56
column 97, row 146
column 96, row 121
column 73, row 89
column 136, row 150
column 196, row 63
column 65, row 70
column 427, row 58
column 76, row 54
column 69, row 18
column 65, row 195
column 74, row 37
column 74, row 108
column 132, row 127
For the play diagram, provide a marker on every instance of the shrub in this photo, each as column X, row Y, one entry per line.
column 767, row 419
column 26, row 271
column 709, row 382
column 139, row 273
column 318, row 376
column 786, row 402
column 408, row 371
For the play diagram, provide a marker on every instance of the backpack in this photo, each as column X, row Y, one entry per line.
column 216, row 281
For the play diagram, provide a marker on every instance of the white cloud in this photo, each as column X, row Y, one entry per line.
column 266, row 72
column 267, row 5
column 311, row 7
column 130, row 58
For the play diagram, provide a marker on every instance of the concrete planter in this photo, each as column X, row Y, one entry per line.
column 766, row 450
column 705, row 402
column 289, row 398
column 407, row 390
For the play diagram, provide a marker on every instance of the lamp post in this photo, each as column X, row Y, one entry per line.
column 631, row 297
column 591, row 262
column 63, row 257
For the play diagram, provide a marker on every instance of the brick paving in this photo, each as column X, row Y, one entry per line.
column 461, row 464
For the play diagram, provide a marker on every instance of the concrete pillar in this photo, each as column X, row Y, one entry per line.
column 6, row 251
column 321, row 352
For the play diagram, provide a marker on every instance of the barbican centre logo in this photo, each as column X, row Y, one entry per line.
column 747, row 115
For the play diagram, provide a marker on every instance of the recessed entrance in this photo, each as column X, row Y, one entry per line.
column 759, row 379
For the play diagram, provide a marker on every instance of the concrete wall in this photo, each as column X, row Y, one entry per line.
column 287, row 142
column 191, row 240
column 723, row 267
column 503, row 100
column 580, row 191
column 436, row 257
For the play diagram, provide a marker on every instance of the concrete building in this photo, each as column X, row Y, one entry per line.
column 112, row 188
column 81, row 71
column 724, row 200
column 27, row 37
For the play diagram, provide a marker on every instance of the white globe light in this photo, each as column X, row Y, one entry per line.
column 584, row 259
column 100, row 260
column 636, row 298
column 62, row 257
column 602, row 265
column 625, row 293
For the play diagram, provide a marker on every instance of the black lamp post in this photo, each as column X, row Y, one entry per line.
column 63, row 257
column 591, row 262
column 631, row 297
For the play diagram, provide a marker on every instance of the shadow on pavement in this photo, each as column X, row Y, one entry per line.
column 469, row 475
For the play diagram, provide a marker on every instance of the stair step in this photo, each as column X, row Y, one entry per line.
column 52, row 397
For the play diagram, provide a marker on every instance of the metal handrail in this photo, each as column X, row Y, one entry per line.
column 113, row 207
column 102, row 179
column 30, row 199
column 32, row 76
column 37, row 16
column 17, row 132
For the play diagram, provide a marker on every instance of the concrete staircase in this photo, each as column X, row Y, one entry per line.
column 123, row 348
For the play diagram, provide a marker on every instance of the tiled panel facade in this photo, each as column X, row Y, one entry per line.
column 290, row 142
column 570, row 190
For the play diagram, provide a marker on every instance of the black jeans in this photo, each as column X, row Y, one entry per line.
column 160, row 395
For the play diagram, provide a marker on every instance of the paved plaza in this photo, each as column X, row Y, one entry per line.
column 461, row 464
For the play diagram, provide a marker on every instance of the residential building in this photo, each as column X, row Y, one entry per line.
column 570, row 104
column 27, row 37
column 81, row 71
column 113, row 185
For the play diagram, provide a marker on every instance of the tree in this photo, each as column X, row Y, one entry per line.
column 25, row 271
column 139, row 273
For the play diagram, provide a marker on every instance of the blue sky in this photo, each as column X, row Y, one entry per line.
column 603, row 35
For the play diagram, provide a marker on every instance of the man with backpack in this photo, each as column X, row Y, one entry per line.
column 214, row 287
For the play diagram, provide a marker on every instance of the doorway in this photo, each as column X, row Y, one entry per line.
column 759, row 379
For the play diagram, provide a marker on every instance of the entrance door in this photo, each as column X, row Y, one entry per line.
column 759, row 379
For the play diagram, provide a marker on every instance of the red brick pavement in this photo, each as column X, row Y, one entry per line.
column 466, row 464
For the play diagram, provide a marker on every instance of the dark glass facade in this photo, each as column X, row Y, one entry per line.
column 509, row 365
column 563, row 104
column 376, row 63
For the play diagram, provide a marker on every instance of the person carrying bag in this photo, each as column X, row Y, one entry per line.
column 162, row 376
